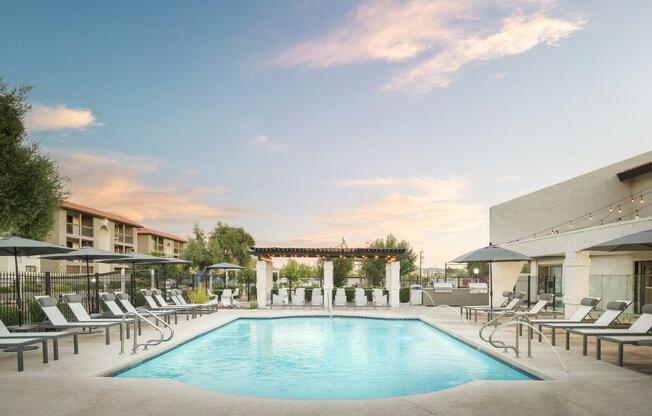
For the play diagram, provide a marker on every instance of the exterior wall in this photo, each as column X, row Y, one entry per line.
column 147, row 245
column 555, row 204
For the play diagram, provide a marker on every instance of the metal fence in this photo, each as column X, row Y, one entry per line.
column 20, row 308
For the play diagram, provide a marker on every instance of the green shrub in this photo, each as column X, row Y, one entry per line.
column 7, row 289
column 9, row 314
column 252, row 293
column 404, row 295
column 198, row 295
column 36, row 314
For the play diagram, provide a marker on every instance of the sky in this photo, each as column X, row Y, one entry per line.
column 311, row 121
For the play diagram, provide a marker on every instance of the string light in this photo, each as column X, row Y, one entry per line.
column 637, row 214
column 620, row 210
column 571, row 224
column 610, row 208
column 590, row 217
column 632, row 199
column 641, row 201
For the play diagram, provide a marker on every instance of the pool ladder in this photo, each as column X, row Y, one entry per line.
column 138, row 316
column 515, row 319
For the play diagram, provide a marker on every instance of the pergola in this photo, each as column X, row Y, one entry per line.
column 264, row 281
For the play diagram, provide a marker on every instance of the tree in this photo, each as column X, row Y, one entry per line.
column 196, row 251
column 230, row 244
column 31, row 185
column 297, row 272
column 483, row 269
column 341, row 270
column 374, row 269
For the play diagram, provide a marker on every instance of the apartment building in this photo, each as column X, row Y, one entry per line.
column 557, row 225
column 156, row 242
column 78, row 225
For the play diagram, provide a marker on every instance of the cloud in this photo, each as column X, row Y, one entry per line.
column 59, row 117
column 442, row 36
column 128, row 185
column 414, row 208
column 498, row 75
column 266, row 143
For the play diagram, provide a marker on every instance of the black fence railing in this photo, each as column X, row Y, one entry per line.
column 20, row 308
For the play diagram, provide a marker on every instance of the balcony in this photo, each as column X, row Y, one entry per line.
column 72, row 229
column 87, row 231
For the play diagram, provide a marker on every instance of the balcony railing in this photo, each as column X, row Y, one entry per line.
column 72, row 229
column 87, row 231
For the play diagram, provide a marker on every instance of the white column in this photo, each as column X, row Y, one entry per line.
column 395, row 284
column 210, row 280
column 504, row 276
column 122, row 280
column 388, row 275
column 263, row 284
column 328, row 284
column 152, row 278
column 575, row 274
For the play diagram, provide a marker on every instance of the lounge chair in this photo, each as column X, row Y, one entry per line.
column 125, row 301
column 507, row 296
column 517, row 299
column 622, row 340
column 18, row 345
column 235, row 296
column 378, row 298
column 152, row 305
column 283, row 293
column 177, row 298
column 608, row 318
column 158, row 296
column 340, row 297
column 278, row 300
column 317, row 299
column 360, row 298
column 587, row 305
column 56, row 319
column 640, row 327
column 109, row 300
column 299, row 298
column 74, row 302
column 54, row 336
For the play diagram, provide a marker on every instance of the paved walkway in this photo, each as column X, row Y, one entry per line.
column 71, row 386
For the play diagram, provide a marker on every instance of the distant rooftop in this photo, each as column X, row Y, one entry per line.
column 99, row 213
column 149, row 231
column 635, row 171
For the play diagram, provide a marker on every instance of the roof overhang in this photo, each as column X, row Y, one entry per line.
column 635, row 171
column 389, row 254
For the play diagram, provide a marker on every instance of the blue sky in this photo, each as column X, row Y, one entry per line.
column 309, row 121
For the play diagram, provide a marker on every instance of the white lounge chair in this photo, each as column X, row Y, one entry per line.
column 110, row 301
column 54, row 336
column 158, row 296
column 587, row 305
column 379, row 299
column 226, row 300
column 299, row 297
column 125, row 300
column 74, row 302
column 517, row 299
column 622, row 340
column 316, row 299
column 507, row 296
column 340, row 297
column 177, row 298
column 283, row 293
column 19, row 345
column 360, row 298
column 152, row 305
column 640, row 327
column 56, row 319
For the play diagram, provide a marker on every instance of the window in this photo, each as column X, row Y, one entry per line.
column 30, row 269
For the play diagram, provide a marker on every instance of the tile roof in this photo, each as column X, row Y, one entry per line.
column 149, row 231
column 635, row 171
column 72, row 206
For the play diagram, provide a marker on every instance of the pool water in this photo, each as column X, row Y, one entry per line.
column 325, row 358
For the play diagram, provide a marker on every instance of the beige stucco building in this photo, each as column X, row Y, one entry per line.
column 556, row 225
column 156, row 242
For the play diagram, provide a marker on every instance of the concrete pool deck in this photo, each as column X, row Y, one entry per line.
column 73, row 386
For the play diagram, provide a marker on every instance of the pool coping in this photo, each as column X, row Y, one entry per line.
column 508, row 361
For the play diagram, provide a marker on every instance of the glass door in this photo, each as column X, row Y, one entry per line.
column 642, row 284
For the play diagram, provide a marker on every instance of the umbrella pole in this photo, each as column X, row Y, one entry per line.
column 88, row 284
column 17, row 297
column 491, row 289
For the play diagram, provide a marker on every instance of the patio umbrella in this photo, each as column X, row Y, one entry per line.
column 491, row 254
column 136, row 258
column 641, row 241
column 86, row 254
column 16, row 246
column 226, row 267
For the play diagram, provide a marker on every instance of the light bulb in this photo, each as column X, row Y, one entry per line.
column 590, row 217
column 620, row 210
column 610, row 208
column 637, row 214
column 641, row 201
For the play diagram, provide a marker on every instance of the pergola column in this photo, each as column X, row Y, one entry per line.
column 395, row 284
column 328, row 284
column 264, row 282
column 388, row 275
column 575, row 272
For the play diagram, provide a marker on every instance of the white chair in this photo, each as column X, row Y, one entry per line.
column 360, row 298
column 317, row 297
column 226, row 301
column 378, row 298
column 340, row 297
column 299, row 298
column 283, row 293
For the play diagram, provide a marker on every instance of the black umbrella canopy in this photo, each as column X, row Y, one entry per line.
column 641, row 241
column 17, row 246
column 169, row 260
column 225, row 266
column 137, row 258
column 85, row 253
column 491, row 254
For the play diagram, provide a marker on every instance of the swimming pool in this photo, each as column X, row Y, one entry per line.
column 325, row 358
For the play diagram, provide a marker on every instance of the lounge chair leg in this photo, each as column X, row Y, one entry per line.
column 107, row 336
column 140, row 328
column 585, row 346
column 567, row 340
column 540, row 331
column 176, row 320
column 55, row 349
column 598, row 348
column 476, row 316
column 19, row 353
column 45, row 351
column 75, row 342
column 553, row 336
column 621, row 352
